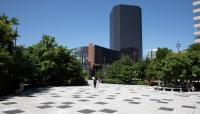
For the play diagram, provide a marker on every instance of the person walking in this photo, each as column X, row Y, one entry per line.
column 95, row 82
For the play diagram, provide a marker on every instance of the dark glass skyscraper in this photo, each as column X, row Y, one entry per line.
column 126, row 30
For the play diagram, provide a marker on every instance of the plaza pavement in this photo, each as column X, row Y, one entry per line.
column 105, row 99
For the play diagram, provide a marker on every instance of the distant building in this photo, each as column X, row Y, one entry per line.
column 151, row 54
column 94, row 57
column 81, row 53
column 125, row 39
column 196, row 19
column 126, row 30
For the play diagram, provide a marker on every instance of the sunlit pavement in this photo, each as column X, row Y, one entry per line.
column 105, row 99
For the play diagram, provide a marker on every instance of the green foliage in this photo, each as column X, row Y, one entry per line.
column 7, row 33
column 45, row 63
column 168, row 67
column 175, row 66
column 153, row 70
column 121, row 71
column 114, row 81
column 162, row 53
column 56, row 65
column 142, row 82
column 194, row 47
column 100, row 74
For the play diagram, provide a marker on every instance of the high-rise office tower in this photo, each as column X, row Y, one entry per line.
column 126, row 30
column 196, row 18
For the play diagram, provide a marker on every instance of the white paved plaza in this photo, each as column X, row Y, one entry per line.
column 105, row 99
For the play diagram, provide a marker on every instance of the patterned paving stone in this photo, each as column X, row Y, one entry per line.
column 146, row 95
column 90, row 97
column 78, row 93
column 44, row 106
column 83, row 100
column 109, row 98
column 128, row 100
column 47, row 103
column 110, row 111
column 168, row 99
column 166, row 109
column 68, row 103
column 76, row 97
column 134, row 102
column 112, row 95
column 87, row 93
column 53, row 94
column 117, row 93
column 56, row 96
column 102, row 103
column 164, row 102
column 136, row 98
column 124, row 103
column 13, row 111
column 64, row 106
column 155, row 100
column 186, row 106
column 9, row 103
column 95, row 95
column 86, row 111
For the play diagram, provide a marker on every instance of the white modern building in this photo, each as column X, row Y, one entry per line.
column 151, row 54
column 196, row 19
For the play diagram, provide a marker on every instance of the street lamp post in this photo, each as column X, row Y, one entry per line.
column 178, row 45
column 134, row 54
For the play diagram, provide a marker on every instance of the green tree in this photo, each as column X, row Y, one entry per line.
column 7, row 33
column 56, row 64
column 195, row 64
column 154, row 71
column 194, row 47
column 140, row 67
column 162, row 53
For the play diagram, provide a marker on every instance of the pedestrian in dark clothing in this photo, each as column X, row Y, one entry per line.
column 95, row 82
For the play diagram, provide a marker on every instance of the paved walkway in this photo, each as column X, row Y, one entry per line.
column 105, row 99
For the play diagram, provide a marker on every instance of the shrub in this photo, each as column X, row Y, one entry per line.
column 114, row 81
column 142, row 82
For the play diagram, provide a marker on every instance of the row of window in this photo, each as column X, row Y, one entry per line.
column 81, row 56
column 197, row 37
column 196, row 2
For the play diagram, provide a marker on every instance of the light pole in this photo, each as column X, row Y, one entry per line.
column 134, row 54
column 178, row 45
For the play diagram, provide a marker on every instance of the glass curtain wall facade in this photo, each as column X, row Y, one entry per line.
column 126, row 30
column 196, row 19
column 81, row 53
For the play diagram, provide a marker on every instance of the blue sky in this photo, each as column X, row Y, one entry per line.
column 75, row 23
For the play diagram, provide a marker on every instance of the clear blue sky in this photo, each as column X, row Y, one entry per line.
column 75, row 23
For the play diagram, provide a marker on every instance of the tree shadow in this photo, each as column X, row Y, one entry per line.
column 31, row 92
